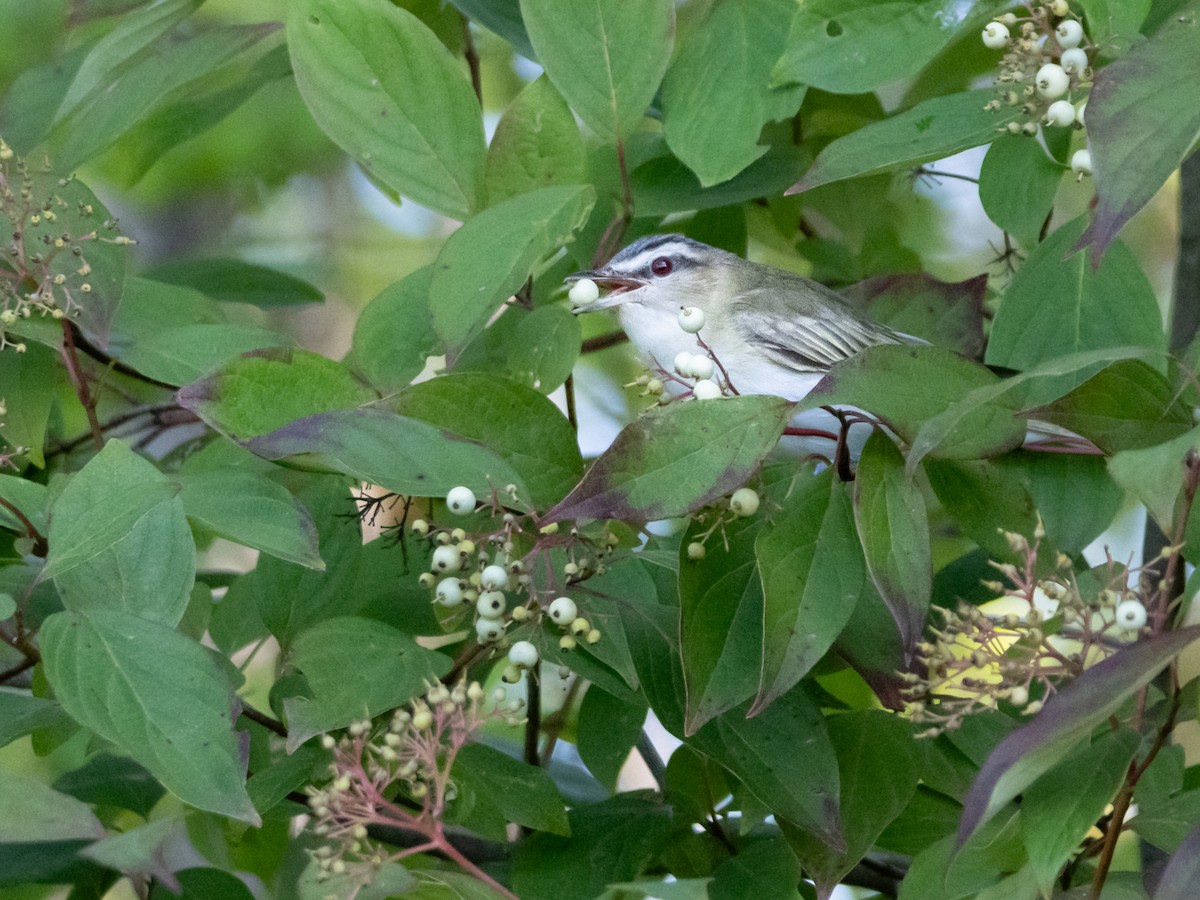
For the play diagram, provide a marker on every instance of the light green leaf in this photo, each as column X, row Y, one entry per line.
column 544, row 347
column 161, row 698
column 22, row 713
column 489, row 258
column 27, row 496
column 28, row 387
column 1055, row 306
column 388, row 92
column 716, row 95
column 35, row 812
column 606, row 60
column 181, row 355
column 237, row 281
column 388, row 668
column 1154, row 475
column 537, row 144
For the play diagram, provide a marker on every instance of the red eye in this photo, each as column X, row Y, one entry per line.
column 661, row 266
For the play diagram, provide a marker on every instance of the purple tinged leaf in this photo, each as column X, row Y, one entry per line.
column 675, row 460
column 1182, row 874
column 1143, row 116
column 949, row 314
column 1067, row 718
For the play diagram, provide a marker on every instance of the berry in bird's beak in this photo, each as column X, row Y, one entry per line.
column 618, row 288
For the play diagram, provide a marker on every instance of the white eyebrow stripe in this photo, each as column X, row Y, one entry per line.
column 677, row 250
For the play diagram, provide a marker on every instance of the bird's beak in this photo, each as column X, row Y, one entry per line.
column 619, row 288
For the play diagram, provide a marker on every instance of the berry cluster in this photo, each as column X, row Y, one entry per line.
column 42, row 267
column 742, row 503
column 398, row 774
column 1020, row 647
column 1046, row 64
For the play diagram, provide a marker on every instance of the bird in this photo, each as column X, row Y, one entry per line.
column 772, row 332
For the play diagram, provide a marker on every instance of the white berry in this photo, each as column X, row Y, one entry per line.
column 700, row 367
column 744, row 502
column 1074, row 61
column 995, row 35
column 1131, row 615
column 523, row 655
column 494, row 578
column 563, row 610
column 704, row 389
column 1060, row 7
column 584, row 292
column 1069, row 32
column 460, row 500
column 1081, row 162
column 683, row 362
column 1060, row 113
column 449, row 592
column 1079, row 112
column 1052, row 81
column 489, row 629
column 1019, row 696
column 491, row 605
column 446, row 559
column 691, row 319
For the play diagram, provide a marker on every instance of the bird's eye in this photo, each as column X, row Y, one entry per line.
column 661, row 266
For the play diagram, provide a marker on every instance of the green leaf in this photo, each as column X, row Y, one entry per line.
column 394, row 334
column 395, row 452
column 389, row 668
column 492, row 255
column 1054, row 307
column 1059, row 809
column 877, row 765
column 21, row 713
column 1147, row 92
column 610, row 841
column 854, row 46
column 607, row 730
column 29, row 497
column 254, row 395
column 721, row 614
column 537, row 144
column 118, row 577
column 1166, row 824
column 1154, row 475
column 520, row 425
column 906, row 386
column 181, row 355
column 30, row 381
column 268, row 787
column 677, row 459
column 1126, row 406
column 252, row 510
column 1178, row 880
column 109, row 780
column 1068, row 717
column 544, row 347
column 763, row 868
column 502, row 17
column 101, row 504
column 1115, row 22
column 236, row 281
column 1017, row 183
column 161, row 698
column 717, row 96
column 132, row 93
column 893, row 526
column 35, row 812
column 1075, row 497
column 523, row 794
column 982, row 496
column 389, row 93
column 931, row 130
column 139, row 851
column 949, row 314
column 812, row 572
column 606, row 61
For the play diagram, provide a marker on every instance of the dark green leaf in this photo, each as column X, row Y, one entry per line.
column 388, row 668
column 984, row 496
column 1075, row 497
column 108, row 780
column 502, row 17
column 607, row 730
column 205, row 883
column 606, row 61
column 523, row 794
column 931, row 130
column 906, row 386
column 544, row 348
column 270, row 786
column 161, row 698
column 27, row 496
column 1069, row 715
column 1055, row 307
column 893, row 526
column 1167, row 824
column 1059, row 809
column 949, row 314
column 519, row 424
column 139, row 851
column 1146, row 93
column 490, row 257
column 389, row 93
column 812, row 570
column 1017, row 182
column 30, row 382
column 21, row 713
column 537, row 144
column 236, row 281
column 675, row 460
column 717, row 96
column 762, row 869
column 1127, row 406
column 394, row 334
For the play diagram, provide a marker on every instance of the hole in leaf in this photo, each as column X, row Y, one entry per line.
column 833, row 28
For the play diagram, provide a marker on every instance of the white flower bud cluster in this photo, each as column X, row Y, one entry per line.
column 1045, row 71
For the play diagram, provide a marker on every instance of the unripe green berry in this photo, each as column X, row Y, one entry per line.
column 593, row 635
column 580, row 626
column 744, row 502
column 695, row 550
column 420, row 527
column 566, row 642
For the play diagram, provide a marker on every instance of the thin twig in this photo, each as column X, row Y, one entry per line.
column 79, row 382
column 533, row 714
column 40, row 545
column 264, row 720
column 603, row 341
column 472, row 57
column 569, row 392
